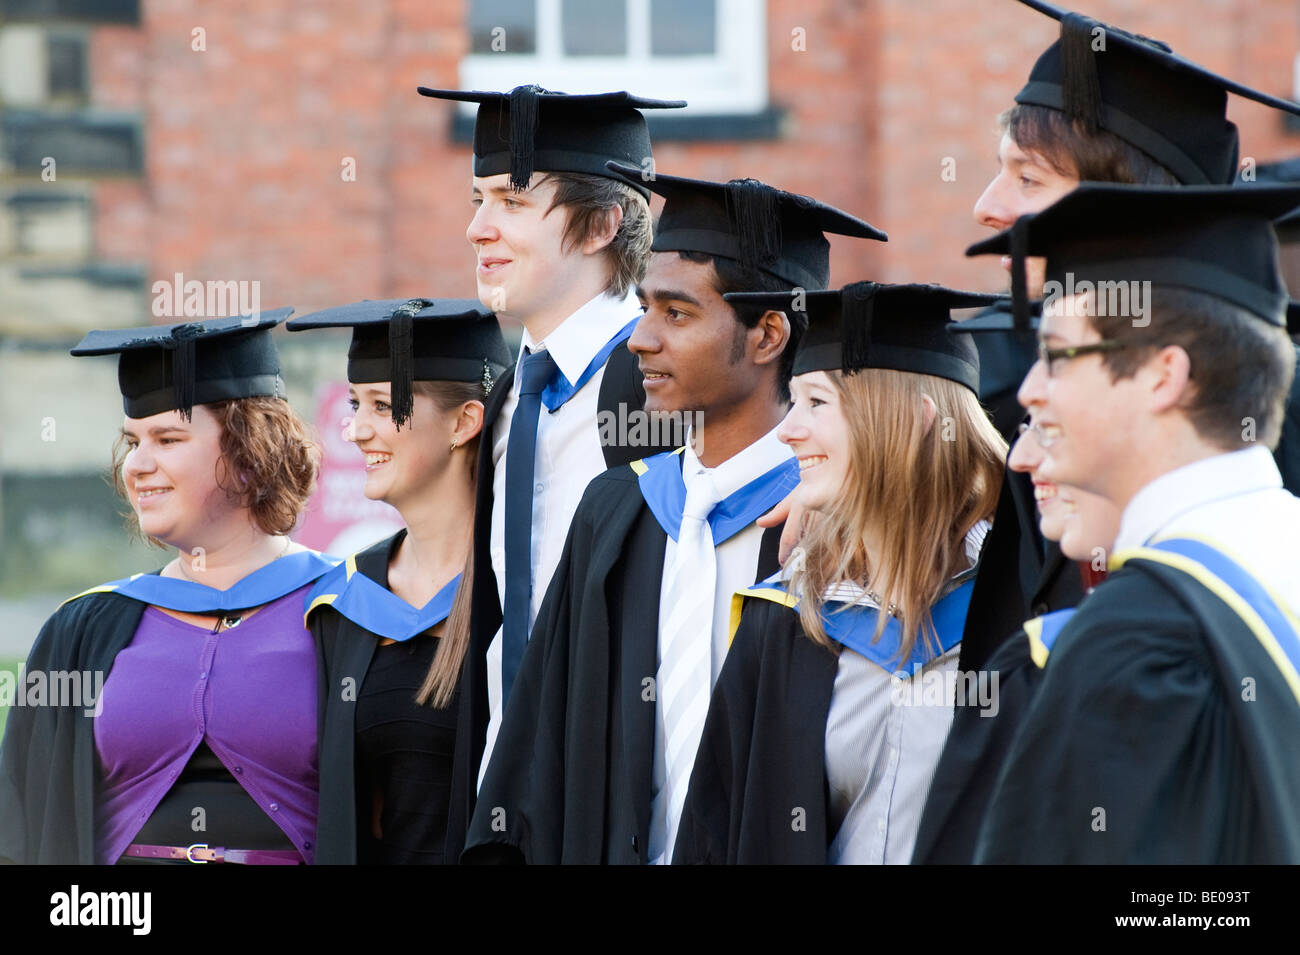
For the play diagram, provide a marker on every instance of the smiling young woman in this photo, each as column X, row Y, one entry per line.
column 392, row 620
column 216, row 465
column 901, row 466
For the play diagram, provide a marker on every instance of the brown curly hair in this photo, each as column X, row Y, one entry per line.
column 267, row 444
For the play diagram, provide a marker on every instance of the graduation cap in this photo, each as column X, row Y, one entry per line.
column 998, row 317
column 406, row 340
column 870, row 325
column 175, row 367
column 531, row 128
column 1211, row 239
column 1139, row 89
column 758, row 225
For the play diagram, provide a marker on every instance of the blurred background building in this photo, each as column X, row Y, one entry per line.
column 283, row 143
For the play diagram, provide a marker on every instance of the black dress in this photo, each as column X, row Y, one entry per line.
column 399, row 755
column 404, row 759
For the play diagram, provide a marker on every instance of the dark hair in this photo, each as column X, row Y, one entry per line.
column 268, row 463
column 731, row 276
column 1072, row 151
column 1241, row 366
column 587, row 200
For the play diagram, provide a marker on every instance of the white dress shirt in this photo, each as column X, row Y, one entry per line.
column 883, row 742
column 737, row 567
column 569, row 455
column 1233, row 500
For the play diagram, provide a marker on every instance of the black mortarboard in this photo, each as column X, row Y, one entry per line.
column 406, row 340
column 758, row 225
column 531, row 128
column 1169, row 107
column 869, row 325
column 1212, row 239
column 175, row 367
column 998, row 317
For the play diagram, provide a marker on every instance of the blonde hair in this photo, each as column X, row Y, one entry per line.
column 915, row 490
column 443, row 676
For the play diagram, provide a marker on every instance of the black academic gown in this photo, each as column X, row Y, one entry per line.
column 570, row 775
column 345, row 651
column 621, row 385
column 758, row 792
column 1020, row 576
column 1140, row 726
column 972, row 759
column 47, row 759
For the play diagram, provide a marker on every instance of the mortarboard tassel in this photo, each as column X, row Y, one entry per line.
column 182, row 347
column 523, row 134
column 857, row 305
column 755, row 213
column 1019, row 284
column 401, row 356
column 1081, row 87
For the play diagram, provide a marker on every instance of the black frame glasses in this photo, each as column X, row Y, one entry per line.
column 1049, row 355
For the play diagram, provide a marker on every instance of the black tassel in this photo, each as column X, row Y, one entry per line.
column 857, row 306
column 1081, row 87
column 402, row 359
column 755, row 213
column 183, row 366
column 523, row 134
column 1019, row 284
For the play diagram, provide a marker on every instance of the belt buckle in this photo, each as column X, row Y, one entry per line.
column 189, row 853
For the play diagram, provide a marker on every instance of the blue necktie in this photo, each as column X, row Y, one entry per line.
column 535, row 373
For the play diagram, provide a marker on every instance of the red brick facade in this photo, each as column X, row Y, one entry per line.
column 245, row 141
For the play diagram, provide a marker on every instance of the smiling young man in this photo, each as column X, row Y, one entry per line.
column 559, row 243
column 1100, row 105
column 1165, row 724
column 597, row 743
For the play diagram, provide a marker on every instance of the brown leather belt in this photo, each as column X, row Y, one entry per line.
column 200, row 853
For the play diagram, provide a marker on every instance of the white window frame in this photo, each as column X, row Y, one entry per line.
column 733, row 81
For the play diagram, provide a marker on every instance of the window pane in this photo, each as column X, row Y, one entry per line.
column 683, row 27
column 503, row 26
column 94, row 11
column 595, row 27
column 67, row 64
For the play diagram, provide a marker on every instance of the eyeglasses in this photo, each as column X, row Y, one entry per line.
column 1051, row 356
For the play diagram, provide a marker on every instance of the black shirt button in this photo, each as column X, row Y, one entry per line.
column 1039, row 609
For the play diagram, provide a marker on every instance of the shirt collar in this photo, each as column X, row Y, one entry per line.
column 580, row 336
column 739, row 469
column 1191, row 486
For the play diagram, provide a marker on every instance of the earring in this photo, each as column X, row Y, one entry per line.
column 454, row 444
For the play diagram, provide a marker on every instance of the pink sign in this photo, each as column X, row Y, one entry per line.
column 340, row 519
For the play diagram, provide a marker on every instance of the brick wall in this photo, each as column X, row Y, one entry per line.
column 244, row 141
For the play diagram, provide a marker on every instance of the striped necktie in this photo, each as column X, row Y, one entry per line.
column 536, row 372
column 685, row 641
